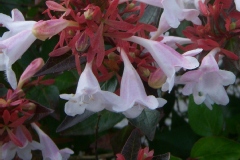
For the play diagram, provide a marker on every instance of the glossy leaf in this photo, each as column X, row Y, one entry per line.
column 110, row 85
column 66, row 80
column 216, row 148
column 45, row 95
column 178, row 140
column 204, row 121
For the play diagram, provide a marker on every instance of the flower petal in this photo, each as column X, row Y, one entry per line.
column 49, row 149
column 73, row 108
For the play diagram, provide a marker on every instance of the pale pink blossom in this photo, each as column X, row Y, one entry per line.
column 49, row 148
column 89, row 96
column 169, row 60
column 237, row 3
column 133, row 93
column 31, row 69
column 174, row 12
column 14, row 42
column 9, row 149
column 206, row 83
column 46, row 29
column 171, row 41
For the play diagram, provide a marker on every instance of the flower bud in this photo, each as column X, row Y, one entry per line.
column 82, row 43
column 144, row 72
column 32, row 68
column 88, row 14
column 157, row 79
column 29, row 106
column 132, row 54
column 46, row 29
column 131, row 6
column 113, row 56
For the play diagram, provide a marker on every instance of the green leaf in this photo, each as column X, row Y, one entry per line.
column 178, row 141
column 232, row 118
column 204, row 121
column 47, row 96
column 88, row 126
column 215, row 148
column 110, row 85
column 174, row 158
column 147, row 122
column 65, row 80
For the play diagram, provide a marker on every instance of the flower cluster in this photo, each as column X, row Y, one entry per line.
column 17, row 113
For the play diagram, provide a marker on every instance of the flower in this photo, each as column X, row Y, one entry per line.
column 168, row 59
column 46, row 29
column 237, row 3
column 89, row 96
column 206, row 83
column 174, row 12
column 171, row 41
column 31, row 69
column 10, row 149
column 14, row 42
column 133, row 93
column 145, row 154
column 49, row 148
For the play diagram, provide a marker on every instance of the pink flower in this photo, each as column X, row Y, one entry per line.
column 46, row 29
column 168, row 59
column 9, row 149
column 49, row 148
column 171, row 41
column 174, row 12
column 31, row 69
column 89, row 96
column 237, row 3
column 206, row 83
column 145, row 154
column 133, row 93
column 14, row 42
